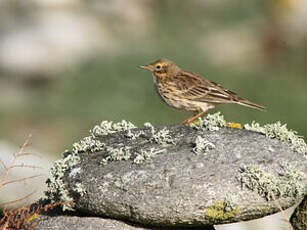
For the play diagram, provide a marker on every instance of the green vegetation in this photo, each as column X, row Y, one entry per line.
column 109, row 86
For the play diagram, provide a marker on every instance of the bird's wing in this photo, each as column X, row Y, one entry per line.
column 193, row 87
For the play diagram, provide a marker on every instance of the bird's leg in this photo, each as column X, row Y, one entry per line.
column 192, row 118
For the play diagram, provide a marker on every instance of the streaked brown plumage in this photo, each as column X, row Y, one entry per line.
column 186, row 90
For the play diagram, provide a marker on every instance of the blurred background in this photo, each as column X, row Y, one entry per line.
column 66, row 65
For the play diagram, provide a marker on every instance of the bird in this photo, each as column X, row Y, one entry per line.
column 189, row 91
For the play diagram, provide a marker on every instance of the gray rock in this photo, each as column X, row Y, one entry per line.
column 299, row 217
column 172, row 178
column 81, row 223
column 46, row 222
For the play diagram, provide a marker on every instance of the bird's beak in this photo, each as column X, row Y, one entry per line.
column 148, row 67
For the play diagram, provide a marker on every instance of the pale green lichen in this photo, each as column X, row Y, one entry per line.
column 229, row 203
column 134, row 135
column 107, row 127
column 149, row 125
column 79, row 189
column 117, row 154
column 93, row 144
column 222, row 210
column 88, row 144
column 161, row 137
column 255, row 126
column 202, row 145
column 56, row 189
column 280, row 132
column 211, row 122
column 288, row 183
column 147, row 155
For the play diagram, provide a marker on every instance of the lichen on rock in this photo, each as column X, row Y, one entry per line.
column 88, row 144
column 116, row 154
column 161, row 137
column 175, row 172
column 289, row 182
column 134, row 135
column 222, row 210
column 107, row 127
column 93, row 143
column 56, row 188
column 147, row 155
column 202, row 145
column 79, row 189
column 211, row 122
column 280, row 132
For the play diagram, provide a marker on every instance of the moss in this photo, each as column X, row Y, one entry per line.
column 202, row 145
column 147, row 155
column 211, row 122
column 280, row 132
column 289, row 182
column 222, row 210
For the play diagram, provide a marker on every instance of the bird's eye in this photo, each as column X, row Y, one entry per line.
column 158, row 67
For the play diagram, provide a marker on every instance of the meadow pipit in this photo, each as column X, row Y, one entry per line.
column 186, row 90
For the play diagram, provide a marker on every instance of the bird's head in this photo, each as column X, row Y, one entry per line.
column 162, row 68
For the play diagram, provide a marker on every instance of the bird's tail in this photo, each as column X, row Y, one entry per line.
column 250, row 104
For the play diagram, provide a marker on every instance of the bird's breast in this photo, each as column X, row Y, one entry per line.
column 168, row 95
column 160, row 92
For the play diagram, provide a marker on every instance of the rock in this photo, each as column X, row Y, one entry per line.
column 88, row 223
column 299, row 217
column 83, row 223
column 180, row 175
